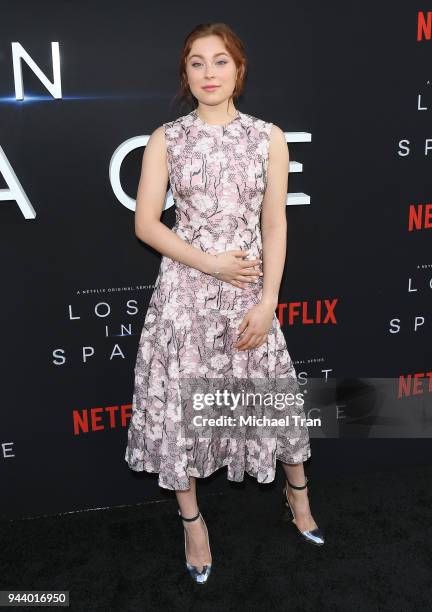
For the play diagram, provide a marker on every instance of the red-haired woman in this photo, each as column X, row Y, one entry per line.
column 212, row 312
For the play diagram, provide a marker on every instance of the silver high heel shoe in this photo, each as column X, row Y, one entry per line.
column 314, row 536
column 202, row 576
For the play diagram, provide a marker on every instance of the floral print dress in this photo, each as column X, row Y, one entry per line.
column 218, row 177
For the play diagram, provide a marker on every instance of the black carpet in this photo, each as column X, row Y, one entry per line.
column 377, row 555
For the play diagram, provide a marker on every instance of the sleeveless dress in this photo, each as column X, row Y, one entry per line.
column 218, row 177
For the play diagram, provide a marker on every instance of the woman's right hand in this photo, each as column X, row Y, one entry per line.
column 231, row 267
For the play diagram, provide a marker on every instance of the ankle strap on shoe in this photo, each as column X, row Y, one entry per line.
column 189, row 519
column 296, row 487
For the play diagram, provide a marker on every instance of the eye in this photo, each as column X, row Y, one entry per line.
column 199, row 63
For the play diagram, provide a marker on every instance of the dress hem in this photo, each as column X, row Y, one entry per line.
column 225, row 463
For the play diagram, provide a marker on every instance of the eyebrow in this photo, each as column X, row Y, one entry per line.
column 215, row 55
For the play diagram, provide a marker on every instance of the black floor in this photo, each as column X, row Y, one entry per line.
column 377, row 556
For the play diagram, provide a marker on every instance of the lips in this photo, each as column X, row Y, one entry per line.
column 210, row 87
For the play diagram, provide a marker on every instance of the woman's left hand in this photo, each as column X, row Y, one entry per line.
column 257, row 322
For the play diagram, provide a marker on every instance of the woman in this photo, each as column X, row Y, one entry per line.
column 212, row 312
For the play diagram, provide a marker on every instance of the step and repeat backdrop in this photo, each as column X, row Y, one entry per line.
column 82, row 86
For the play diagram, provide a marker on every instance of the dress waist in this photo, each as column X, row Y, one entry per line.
column 218, row 240
column 183, row 285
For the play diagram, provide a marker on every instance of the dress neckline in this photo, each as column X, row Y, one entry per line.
column 202, row 123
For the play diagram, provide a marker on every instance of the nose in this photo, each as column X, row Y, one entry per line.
column 209, row 71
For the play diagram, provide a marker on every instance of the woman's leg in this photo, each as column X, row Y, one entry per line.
column 196, row 541
column 298, row 499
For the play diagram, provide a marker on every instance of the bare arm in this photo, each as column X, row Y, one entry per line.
column 273, row 216
column 149, row 205
column 257, row 322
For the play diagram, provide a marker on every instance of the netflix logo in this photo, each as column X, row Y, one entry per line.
column 424, row 26
column 419, row 217
column 100, row 418
column 415, row 384
column 319, row 312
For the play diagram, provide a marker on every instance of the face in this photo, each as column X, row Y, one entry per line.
column 209, row 63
